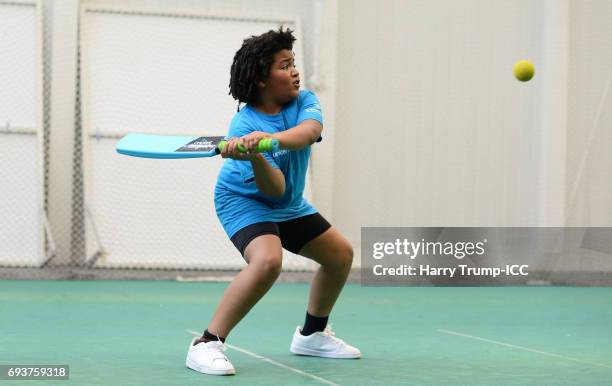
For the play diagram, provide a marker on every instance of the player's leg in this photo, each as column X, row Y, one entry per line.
column 264, row 257
column 263, row 253
column 313, row 237
column 335, row 255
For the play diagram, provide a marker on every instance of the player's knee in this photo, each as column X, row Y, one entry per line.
column 269, row 265
column 347, row 257
column 342, row 257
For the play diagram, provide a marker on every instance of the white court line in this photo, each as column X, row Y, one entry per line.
column 273, row 362
column 525, row 348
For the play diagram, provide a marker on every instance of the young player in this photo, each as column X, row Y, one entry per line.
column 259, row 201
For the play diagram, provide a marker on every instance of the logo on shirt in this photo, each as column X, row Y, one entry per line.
column 280, row 153
column 314, row 109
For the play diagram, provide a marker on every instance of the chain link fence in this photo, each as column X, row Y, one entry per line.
column 156, row 70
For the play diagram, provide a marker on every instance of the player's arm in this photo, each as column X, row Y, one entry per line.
column 270, row 181
column 296, row 138
column 300, row 136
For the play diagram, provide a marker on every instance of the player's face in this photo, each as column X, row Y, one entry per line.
column 283, row 83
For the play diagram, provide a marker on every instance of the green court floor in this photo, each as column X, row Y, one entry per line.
column 137, row 332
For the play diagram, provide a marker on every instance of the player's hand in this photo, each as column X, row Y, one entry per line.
column 230, row 150
column 252, row 139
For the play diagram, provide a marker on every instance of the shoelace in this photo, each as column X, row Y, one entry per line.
column 331, row 334
column 218, row 349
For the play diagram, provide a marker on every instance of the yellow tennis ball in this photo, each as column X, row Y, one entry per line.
column 524, row 70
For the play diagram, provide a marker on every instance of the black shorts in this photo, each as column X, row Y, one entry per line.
column 294, row 233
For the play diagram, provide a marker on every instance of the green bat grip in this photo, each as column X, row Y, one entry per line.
column 266, row 144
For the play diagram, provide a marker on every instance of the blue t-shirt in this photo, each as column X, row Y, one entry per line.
column 238, row 202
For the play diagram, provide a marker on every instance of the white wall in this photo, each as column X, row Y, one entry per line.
column 63, row 18
column 589, row 160
column 432, row 129
column 425, row 125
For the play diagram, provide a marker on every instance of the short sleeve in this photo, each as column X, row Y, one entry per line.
column 238, row 129
column 309, row 108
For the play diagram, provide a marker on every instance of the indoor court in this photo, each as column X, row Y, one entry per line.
column 136, row 332
column 459, row 149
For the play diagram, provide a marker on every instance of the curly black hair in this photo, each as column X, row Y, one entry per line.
column 253, row 60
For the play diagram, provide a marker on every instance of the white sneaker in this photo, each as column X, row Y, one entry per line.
column 322, row 344
column 208, row 358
